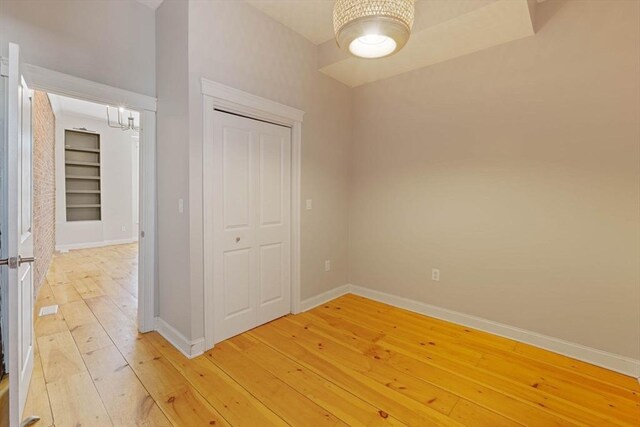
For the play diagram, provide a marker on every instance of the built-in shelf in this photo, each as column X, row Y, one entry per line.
column 84, row 150
column 83, row 191
column 82, row 186
column 82, row 177
column 77, row 163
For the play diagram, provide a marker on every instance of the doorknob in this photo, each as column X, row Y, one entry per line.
column 14, row 262
column 26, row 259
column 237, row 239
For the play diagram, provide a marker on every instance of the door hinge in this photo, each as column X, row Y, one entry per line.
column 142, row 234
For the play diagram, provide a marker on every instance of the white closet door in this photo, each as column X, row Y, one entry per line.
column 251, row 223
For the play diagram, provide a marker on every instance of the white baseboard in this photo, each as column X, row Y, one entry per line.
column 72, row 246
column 614, row 362
column 317, row 300
column 189, row 348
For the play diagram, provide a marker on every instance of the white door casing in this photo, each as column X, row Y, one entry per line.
column 18, row 218
column 50, row 81
column 66, row 85
column 226, row 98
column 251, row 223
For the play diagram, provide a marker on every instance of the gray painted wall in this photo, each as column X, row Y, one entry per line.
column 235, row 44
column 516, row 172
column 110, row 42
column 173, row 164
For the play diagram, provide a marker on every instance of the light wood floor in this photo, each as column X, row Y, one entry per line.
column 349, row 362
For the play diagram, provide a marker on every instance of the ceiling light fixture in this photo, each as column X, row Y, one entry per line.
column 373, row 28
column 121, row 124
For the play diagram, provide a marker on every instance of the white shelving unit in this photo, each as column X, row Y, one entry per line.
column 82, row 176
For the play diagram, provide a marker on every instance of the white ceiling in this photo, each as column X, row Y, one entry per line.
column 92, row 110
column 312, row 19
column 494, row 23
column 153, row 4
column 443, row 29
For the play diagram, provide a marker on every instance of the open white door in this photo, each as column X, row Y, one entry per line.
column 18, row 237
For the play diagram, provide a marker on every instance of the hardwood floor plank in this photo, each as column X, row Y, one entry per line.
column 536, row 372
column 60, row 356
column 87, row 287
column 351, row 361
column 158, row 375
column 346, row 406
column 403, row 324
column 507, row 400
column 76, row 402
column 369, row 363
column 434, row 345
column 65, row 293
column 185, row 407
column 38, row 398
column 48, row 325
column 597, row 401
column 574, row 369
column 269, row 389
column 405, row 355
column 469, row 336
column 45, row 297
column 120, row 328
column 104, row 361
column 125, row 398
column 56, row 274
column 577, row 366
column 90, row 337
column 472, row 415
column 446, row 381
column 229, row 398
column 76, row 314
column 567, row 405
column 119, row 295
column 389, row 400
column 179, row 401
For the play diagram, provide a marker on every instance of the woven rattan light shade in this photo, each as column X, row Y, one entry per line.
column 391, row 19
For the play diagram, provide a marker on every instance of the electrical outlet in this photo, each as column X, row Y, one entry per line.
column 124, row 228
column 309, row 204
column 180, row 205
column 327, row 265
column 435, row 274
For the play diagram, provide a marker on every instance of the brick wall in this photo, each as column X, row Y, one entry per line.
column 44, row 186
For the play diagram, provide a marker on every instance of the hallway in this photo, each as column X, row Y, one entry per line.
column 96, row 290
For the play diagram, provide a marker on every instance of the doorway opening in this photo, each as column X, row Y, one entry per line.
column 79, row 313
column 86, row 167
